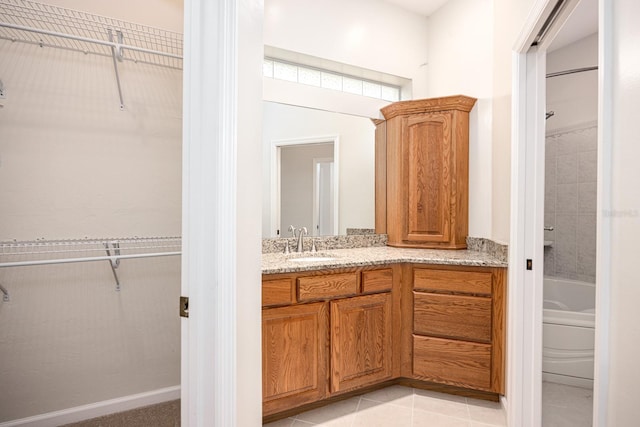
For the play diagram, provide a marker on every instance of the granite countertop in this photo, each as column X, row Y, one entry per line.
column 273, row 263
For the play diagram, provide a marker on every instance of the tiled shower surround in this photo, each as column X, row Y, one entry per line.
column 570, row 204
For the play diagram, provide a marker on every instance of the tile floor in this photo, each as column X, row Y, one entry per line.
column 398, row 406
column 395, row 406
column 566, row 406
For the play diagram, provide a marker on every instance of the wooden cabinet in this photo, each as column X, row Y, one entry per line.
column 361, row 342
column 422, row 172
column 294, row 356
column 324, row 333
column 330, row 332
column 458, row 326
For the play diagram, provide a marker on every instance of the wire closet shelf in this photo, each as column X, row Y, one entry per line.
column 52, row 26
column 48, row 252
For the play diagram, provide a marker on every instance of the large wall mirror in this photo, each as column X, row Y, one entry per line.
column 318, row 171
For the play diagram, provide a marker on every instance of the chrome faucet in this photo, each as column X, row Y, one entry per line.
column 301, row 232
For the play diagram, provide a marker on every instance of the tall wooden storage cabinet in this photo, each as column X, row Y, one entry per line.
column 422, row 172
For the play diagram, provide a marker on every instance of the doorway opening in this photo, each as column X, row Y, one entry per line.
column 540, row 215
column 570, row 199
column 305, row 178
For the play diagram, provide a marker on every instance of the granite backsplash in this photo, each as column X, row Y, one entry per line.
column 350, row 241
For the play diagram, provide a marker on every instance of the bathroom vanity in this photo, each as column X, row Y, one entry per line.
column 357, row 318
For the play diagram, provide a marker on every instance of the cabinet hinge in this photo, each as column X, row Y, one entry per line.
column 184, row 306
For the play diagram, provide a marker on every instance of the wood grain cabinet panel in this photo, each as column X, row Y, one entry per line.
column 377, row 280
column 458, row 326
column 277, row 292
column 458, row 363
column 426, row 160
column 452, row 316
column 426, row 168
column 294, row 356
column 313, row 288
column 468, row 282
column 361, row 345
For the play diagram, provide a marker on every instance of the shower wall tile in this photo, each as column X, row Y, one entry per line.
column 550, row 151
column 570, row 204
column 566, row 260
column 567, row 199
column 586, row 264
column 567, row 143
column 588, row 166
column 550, row 174
column 589, row 278
column 586, row 231
column 589, row 139
column 567, row 168
column 549, row 261
column 550, row 192
column 566, row 257
column 587, row 197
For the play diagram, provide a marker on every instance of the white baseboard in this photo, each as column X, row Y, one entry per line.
column 98, row 409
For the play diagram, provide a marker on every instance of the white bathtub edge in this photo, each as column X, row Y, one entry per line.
column 567, row 380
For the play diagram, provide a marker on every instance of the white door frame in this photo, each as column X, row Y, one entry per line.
column 276, row 146
column 316, row 196
column 221, row 357
column 524, row 344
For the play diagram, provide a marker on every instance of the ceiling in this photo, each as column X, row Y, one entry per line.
column 583, row 21
column 421, row 7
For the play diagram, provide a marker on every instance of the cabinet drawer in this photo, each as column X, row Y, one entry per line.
column 327, row 286
column 377, row 280
column 277, row 292
column 452, row 316
column 470, row 282
column 452, row 362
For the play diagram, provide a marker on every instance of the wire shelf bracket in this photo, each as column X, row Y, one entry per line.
column 52, row 26
column 5, row 293
column 114, row 263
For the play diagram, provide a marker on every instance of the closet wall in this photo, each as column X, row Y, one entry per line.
column 74, row 166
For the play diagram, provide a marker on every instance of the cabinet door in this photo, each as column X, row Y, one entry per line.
column 428, row 171
column 294, row 356
column 361, row 344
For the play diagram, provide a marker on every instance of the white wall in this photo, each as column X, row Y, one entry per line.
column 371, row 34
column 356, row 154
column 460, row 62
column 165, row 14
column 573, row 97
column 624, row 329
column 72, row 165
column 508, row 20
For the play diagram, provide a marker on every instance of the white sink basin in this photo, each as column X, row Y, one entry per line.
column 312, row 259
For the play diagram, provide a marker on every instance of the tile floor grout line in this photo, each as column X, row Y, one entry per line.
column 355, row 413
column 466, row 405
column 413, row 404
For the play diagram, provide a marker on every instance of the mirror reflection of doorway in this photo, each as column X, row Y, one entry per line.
column 323, row 182
column 307, row 188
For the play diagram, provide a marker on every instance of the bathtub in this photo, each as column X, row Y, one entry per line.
column 568, row 332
